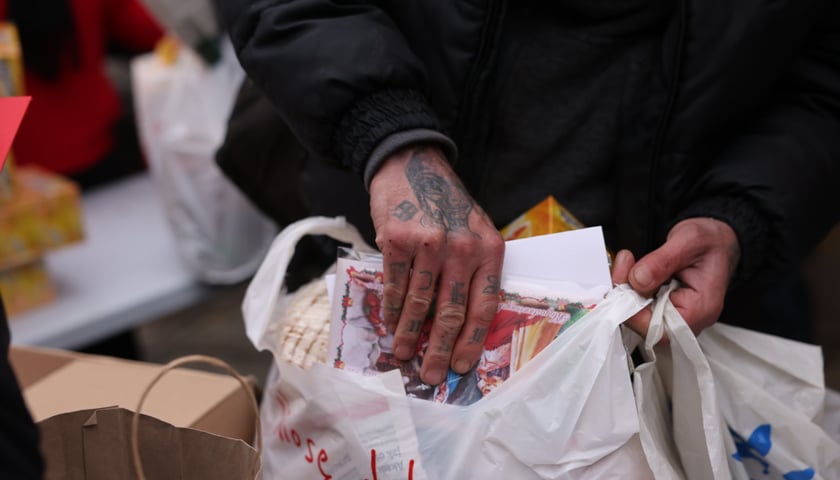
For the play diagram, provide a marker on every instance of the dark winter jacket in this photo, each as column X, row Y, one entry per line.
column 747, row 129
column 20, row 457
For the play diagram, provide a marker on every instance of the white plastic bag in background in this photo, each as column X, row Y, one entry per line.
column 569, row 413
column 771, row 394
column 731, row 403
column 182, row 113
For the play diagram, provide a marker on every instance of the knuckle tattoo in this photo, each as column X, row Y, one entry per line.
column 396, row 269
column 446, row 342
column 494, row 284
column 427, row 279
column 414, row 327
column 478, row 335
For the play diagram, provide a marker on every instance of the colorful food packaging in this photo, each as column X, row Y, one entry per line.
column 545, row 217
column 44, row 213
column 530, row 315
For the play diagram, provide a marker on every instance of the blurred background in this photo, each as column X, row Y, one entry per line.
column 143, row 249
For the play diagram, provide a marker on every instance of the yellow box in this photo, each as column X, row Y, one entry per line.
column 44, row 213
column 20, row 230
column 60, row 205
column 548, row 216
column 25, row 287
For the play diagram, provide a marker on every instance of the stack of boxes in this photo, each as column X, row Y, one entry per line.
column 39, row 211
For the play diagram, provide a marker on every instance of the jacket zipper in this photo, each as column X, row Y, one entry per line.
column 472, row 88
column 662, row 127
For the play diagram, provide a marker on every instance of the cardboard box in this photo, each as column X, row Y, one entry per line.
column 57, row 381
column 25, row 287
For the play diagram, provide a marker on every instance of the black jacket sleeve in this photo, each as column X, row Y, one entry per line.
column 340, row 73
column 20, row 457
column 778, row 184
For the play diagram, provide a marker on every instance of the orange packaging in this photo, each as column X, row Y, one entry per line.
column 545, row 217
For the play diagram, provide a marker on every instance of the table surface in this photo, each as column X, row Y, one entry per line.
column 126, row 272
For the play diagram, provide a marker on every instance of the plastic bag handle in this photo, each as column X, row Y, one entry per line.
column 267, row 286
column 666, row 321
column 191, row 359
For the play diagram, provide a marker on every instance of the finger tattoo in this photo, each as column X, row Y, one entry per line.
column 428, row 276
column 414, row 326
column 478, row 335
column 446, row 341
column 397, row 269
column 493, row 285
column 458, row 296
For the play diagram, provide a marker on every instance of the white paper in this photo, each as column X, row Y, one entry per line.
column 577, row 257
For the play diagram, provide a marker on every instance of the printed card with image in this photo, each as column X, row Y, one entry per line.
column 530, row 315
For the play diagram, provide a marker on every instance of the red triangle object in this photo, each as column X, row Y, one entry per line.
column 11, row 114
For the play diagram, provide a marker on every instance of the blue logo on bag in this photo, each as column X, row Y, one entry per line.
column 758, row 446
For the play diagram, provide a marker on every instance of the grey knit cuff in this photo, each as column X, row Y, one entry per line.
column 374, row 118
column 398, row 140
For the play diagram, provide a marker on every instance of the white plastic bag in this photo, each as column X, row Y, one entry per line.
column 731, row 403
column 569, row 413
column 682, row 431
column 771, row 394
column 182, row 112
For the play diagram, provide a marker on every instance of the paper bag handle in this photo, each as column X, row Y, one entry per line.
column 190, row 359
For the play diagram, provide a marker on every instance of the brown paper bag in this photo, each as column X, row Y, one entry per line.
column 95, row 445
column 115, row 443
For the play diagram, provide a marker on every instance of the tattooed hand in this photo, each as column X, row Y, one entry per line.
column 702, row 253
column 435, row 241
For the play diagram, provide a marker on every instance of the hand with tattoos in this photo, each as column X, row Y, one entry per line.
column 702, row 253
column 436, row 242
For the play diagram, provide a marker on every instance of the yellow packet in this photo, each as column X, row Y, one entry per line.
column 548, row 216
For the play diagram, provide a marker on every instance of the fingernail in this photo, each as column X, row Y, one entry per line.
column 402, row 352
column 435, row 377
column 620, row 257
column 462, row 365
column 642, row 276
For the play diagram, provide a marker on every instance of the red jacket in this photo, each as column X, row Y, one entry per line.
column 69, row 124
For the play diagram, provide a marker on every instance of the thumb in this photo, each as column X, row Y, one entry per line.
column 660, row 265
